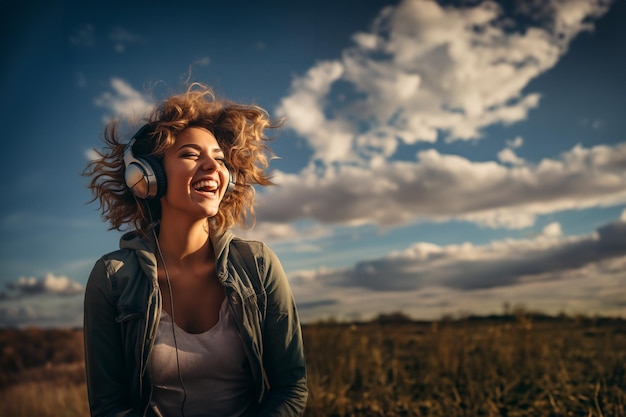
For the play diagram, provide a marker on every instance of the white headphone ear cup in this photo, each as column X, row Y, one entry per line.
column 137, row 179
column 156, row 173
column 146, row 178
column 232, row 181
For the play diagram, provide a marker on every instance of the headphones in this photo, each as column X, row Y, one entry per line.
column 144, row 175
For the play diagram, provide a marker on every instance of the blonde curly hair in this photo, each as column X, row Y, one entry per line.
column 239, row 130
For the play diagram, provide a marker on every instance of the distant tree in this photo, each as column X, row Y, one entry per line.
column 393, row 318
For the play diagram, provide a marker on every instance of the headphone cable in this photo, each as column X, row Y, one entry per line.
column 171, row 296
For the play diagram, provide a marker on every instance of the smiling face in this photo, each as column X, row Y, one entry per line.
column 197, row 177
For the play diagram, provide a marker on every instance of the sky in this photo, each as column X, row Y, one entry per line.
column 439, row 158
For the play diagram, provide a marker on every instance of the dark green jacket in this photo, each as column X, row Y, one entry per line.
column 122, row 311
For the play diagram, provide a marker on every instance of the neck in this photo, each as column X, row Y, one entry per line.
column 184, row 244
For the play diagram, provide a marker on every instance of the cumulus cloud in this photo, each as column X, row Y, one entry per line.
column 468, row 266
column 510, row 269
column 304, row 110
column 440, row 187
column 508, row 156
column 572, row 292
column 300, row 238
column 565, row 18
column 124, row 101
column 425, row 71
column 552, row 230
column 49, row 284
column 91, row 154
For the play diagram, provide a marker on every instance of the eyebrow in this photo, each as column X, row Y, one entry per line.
column 197, row 147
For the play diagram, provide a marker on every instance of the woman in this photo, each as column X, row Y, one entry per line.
column 185, row 319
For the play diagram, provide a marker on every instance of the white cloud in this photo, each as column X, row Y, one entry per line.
column 572, row 295
column 552, row 230
column 49, row 284
column 290, row 238
column 440, row 187
column 573, row 16
column 501, row 263
column 508, row 156
column 269, row 231
column 124, row 101
column 303, row 109
column 91, row 154
column 549, row 272
column 425, row 71
column 596, row 289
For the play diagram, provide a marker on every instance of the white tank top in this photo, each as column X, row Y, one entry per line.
column 213, row 366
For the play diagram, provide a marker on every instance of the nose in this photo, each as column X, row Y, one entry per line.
column 209, row 163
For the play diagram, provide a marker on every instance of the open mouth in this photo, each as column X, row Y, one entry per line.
column 206, row 186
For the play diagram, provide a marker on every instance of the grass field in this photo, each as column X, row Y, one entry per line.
column 517, row 366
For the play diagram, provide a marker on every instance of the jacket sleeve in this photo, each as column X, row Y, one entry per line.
column 283, row 356
column 104, row 354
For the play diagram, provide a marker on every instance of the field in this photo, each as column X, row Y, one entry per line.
column 524, row 365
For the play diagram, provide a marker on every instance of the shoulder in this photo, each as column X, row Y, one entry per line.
column 257, row 250
column 112, row 270
column 134, row 250
column 118, row 260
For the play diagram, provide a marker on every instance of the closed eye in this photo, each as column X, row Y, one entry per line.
column 195, row 152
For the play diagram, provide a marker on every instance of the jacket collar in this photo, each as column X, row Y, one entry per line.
column 146, row 249
column 221, row 243
column 137, row 242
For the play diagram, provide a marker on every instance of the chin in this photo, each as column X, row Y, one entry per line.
column 211, row 213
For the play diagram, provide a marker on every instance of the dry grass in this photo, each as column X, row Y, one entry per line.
column 44, row 399
column 469, row 368
column 47, row 391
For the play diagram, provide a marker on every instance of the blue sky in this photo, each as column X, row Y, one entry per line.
column 438, row 157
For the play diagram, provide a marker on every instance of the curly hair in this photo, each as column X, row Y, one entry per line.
column 239, row 130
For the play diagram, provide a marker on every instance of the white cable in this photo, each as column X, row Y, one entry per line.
column 169, row 287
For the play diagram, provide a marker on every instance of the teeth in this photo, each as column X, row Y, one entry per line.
column 210, row 185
